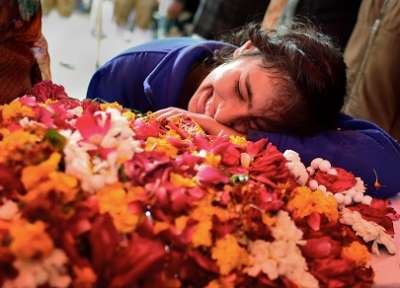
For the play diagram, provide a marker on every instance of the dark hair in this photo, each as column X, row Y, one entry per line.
column 313, row 72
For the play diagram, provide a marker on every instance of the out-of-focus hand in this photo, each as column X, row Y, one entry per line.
column 210, row 125
column 41, row 53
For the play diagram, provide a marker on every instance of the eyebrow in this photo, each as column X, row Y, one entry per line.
column 249, row 91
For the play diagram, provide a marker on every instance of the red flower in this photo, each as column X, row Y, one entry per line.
column 336, row 183
column 48, row 90
column 134, row 261
column 323, row 247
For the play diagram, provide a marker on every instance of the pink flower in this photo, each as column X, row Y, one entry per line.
column 143, row 129
column 91, row 126
column 211, row 175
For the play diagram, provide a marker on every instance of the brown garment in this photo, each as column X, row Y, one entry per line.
column 18, row 68
column 373, row 59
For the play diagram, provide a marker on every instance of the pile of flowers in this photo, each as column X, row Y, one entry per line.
column 94, row 195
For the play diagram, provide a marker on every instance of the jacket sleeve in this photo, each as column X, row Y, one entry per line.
column 357, row 146
column 121, row 80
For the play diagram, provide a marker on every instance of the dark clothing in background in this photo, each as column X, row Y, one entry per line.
column 216, row 17
column 18, row 32
column 335, row 18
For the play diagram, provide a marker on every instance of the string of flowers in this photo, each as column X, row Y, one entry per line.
column 95, row 195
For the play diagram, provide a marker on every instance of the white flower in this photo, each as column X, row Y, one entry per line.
column 296, row 167
column 281, row 257
column 51, row 271
column 8, row 210
column 368, row 230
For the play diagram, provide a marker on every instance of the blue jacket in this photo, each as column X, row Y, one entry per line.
column 150, row 77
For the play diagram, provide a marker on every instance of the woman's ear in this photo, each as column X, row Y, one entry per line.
column 246, row 47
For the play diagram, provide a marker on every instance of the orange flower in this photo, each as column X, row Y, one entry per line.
column 16, row 109
column 30, row 240
column 305, row 202
column 114, row 200
column 161, row 145
column 202, row 234
column 13, row 141
column 229, row 255
column 33, row 175
column 84, row 277
column 356, row 252
column 179, row 180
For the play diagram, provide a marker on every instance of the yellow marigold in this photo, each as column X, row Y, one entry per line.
column 33, row 175
column 84, row 277
column 212, row 159
column 229, row 255
column 15, row 140
column 16, row 109
column 129, row 115
column 356, row 252
column 65, row 185
column 179, row 180
column 305, row 202
column 161, row 145
column 114, row 105
column 173, row 133
column 30, row 240
column 113, row 199
column 238, row 140
column 202, row 234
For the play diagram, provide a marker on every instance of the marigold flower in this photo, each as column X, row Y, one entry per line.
column 114, row 105
column 356, row 252
column 30, row 240
column 238, row 140
column 33, row 175
column 179, row 180
column 16, row 109
column 180, row 223
column 212, row 159
column 161, row 145
column 202, row 234
column 84, row 277
column 114, row 200
column 229, row 255
column 305, row 202
column 14, row 141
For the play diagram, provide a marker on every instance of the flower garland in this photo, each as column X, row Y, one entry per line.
column 94, row 195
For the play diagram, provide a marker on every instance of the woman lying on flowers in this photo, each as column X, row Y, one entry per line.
column 287, row 86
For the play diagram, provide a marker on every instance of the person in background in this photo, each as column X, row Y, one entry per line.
column 333, row 18
column 287, row 86
column 216, row 17
column 178, row 17
column 143, row 12
column 373, row 59
column 24, row 59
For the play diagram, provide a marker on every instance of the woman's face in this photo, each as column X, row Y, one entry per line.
column 236, row 91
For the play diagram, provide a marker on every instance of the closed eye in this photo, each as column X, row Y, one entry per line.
column 238, row 92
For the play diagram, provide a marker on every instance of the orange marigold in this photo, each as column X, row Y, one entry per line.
column 229, row 255
column 30, row 240
column 356, row 252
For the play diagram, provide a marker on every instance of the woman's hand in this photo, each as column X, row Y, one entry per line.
column 210, row 125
